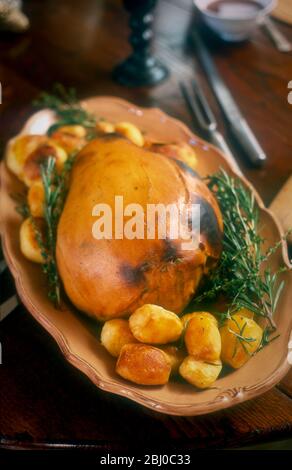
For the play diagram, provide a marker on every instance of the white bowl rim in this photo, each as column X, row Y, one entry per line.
column 263, row 12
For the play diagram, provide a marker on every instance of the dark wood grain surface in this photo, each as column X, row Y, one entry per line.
column 44, row 402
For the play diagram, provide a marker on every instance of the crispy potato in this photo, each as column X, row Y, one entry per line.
column 115, row 334
column 70, row 138
column 32, row 165
column 28, row 243
column 244, row 312
column 198, row 373
column 176, row 356
column 155, row 325
column 36, row 199
column 143, row 364
column 236, row 351
column 202, row 338
column 18, row 150
column 182, row 152
column 105, row 126
column 131, row 132
column 188, row 316
column 26, row 153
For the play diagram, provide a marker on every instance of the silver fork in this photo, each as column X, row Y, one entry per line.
column 199, row 106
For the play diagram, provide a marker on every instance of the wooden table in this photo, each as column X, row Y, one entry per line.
column 44, row 402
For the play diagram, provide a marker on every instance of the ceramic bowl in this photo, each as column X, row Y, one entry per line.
column 77, row 337
column 233, row 28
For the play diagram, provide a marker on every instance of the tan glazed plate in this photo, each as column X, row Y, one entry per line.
column 78, row 338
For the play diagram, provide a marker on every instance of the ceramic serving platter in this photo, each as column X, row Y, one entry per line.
column 78, row 339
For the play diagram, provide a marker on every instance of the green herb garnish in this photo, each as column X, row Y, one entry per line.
column 266, row 339
column 21, row 204
column 240, row 338
column 67, row 108
column 240, row 275
column 55, row 186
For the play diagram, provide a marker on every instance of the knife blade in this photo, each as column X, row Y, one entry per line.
column 3, row 266
column 238, row 125
column 8, row 306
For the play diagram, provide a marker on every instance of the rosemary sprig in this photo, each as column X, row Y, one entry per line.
column 266, row 339
column 23, row 209
column 21, row 204
column 67, row 109
column 55, row 187
column 240, row 338
column 240, row 275
column 59, row 97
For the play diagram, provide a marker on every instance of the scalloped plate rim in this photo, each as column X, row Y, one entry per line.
column 222, row 400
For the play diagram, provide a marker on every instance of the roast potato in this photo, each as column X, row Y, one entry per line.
column 131, row 132
column 70, row 138
column 28, row 242
column 32, row 164
column 18, row 150
column 237, row 351
column 188, row 316
column 143, row 364
column 105, row 126
column 202, row 338
column 244, row 312
column 110, row 278
column 36, row 199
column 198, row 373
column 115, row 334
column 155, row 325
column 182, row 152
column 26, row 153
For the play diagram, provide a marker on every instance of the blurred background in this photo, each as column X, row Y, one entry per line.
column 80, row 44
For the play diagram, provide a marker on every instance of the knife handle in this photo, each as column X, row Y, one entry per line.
column 248, row 142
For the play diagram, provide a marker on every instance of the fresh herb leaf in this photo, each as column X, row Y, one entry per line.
column 240, row 275
column 67, row 108
column 266, row 338
column 241, row 338
column 59, row 97
column 55, row 186
column 21, row 205
column 23, row 210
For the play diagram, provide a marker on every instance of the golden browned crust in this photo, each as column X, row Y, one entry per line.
column 112, row 278
column 154, row 325
column 143, row 364
column 202, row 338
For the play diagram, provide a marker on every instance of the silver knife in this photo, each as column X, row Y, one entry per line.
column 238, row 125
column 3, row 266
column 8, row 306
